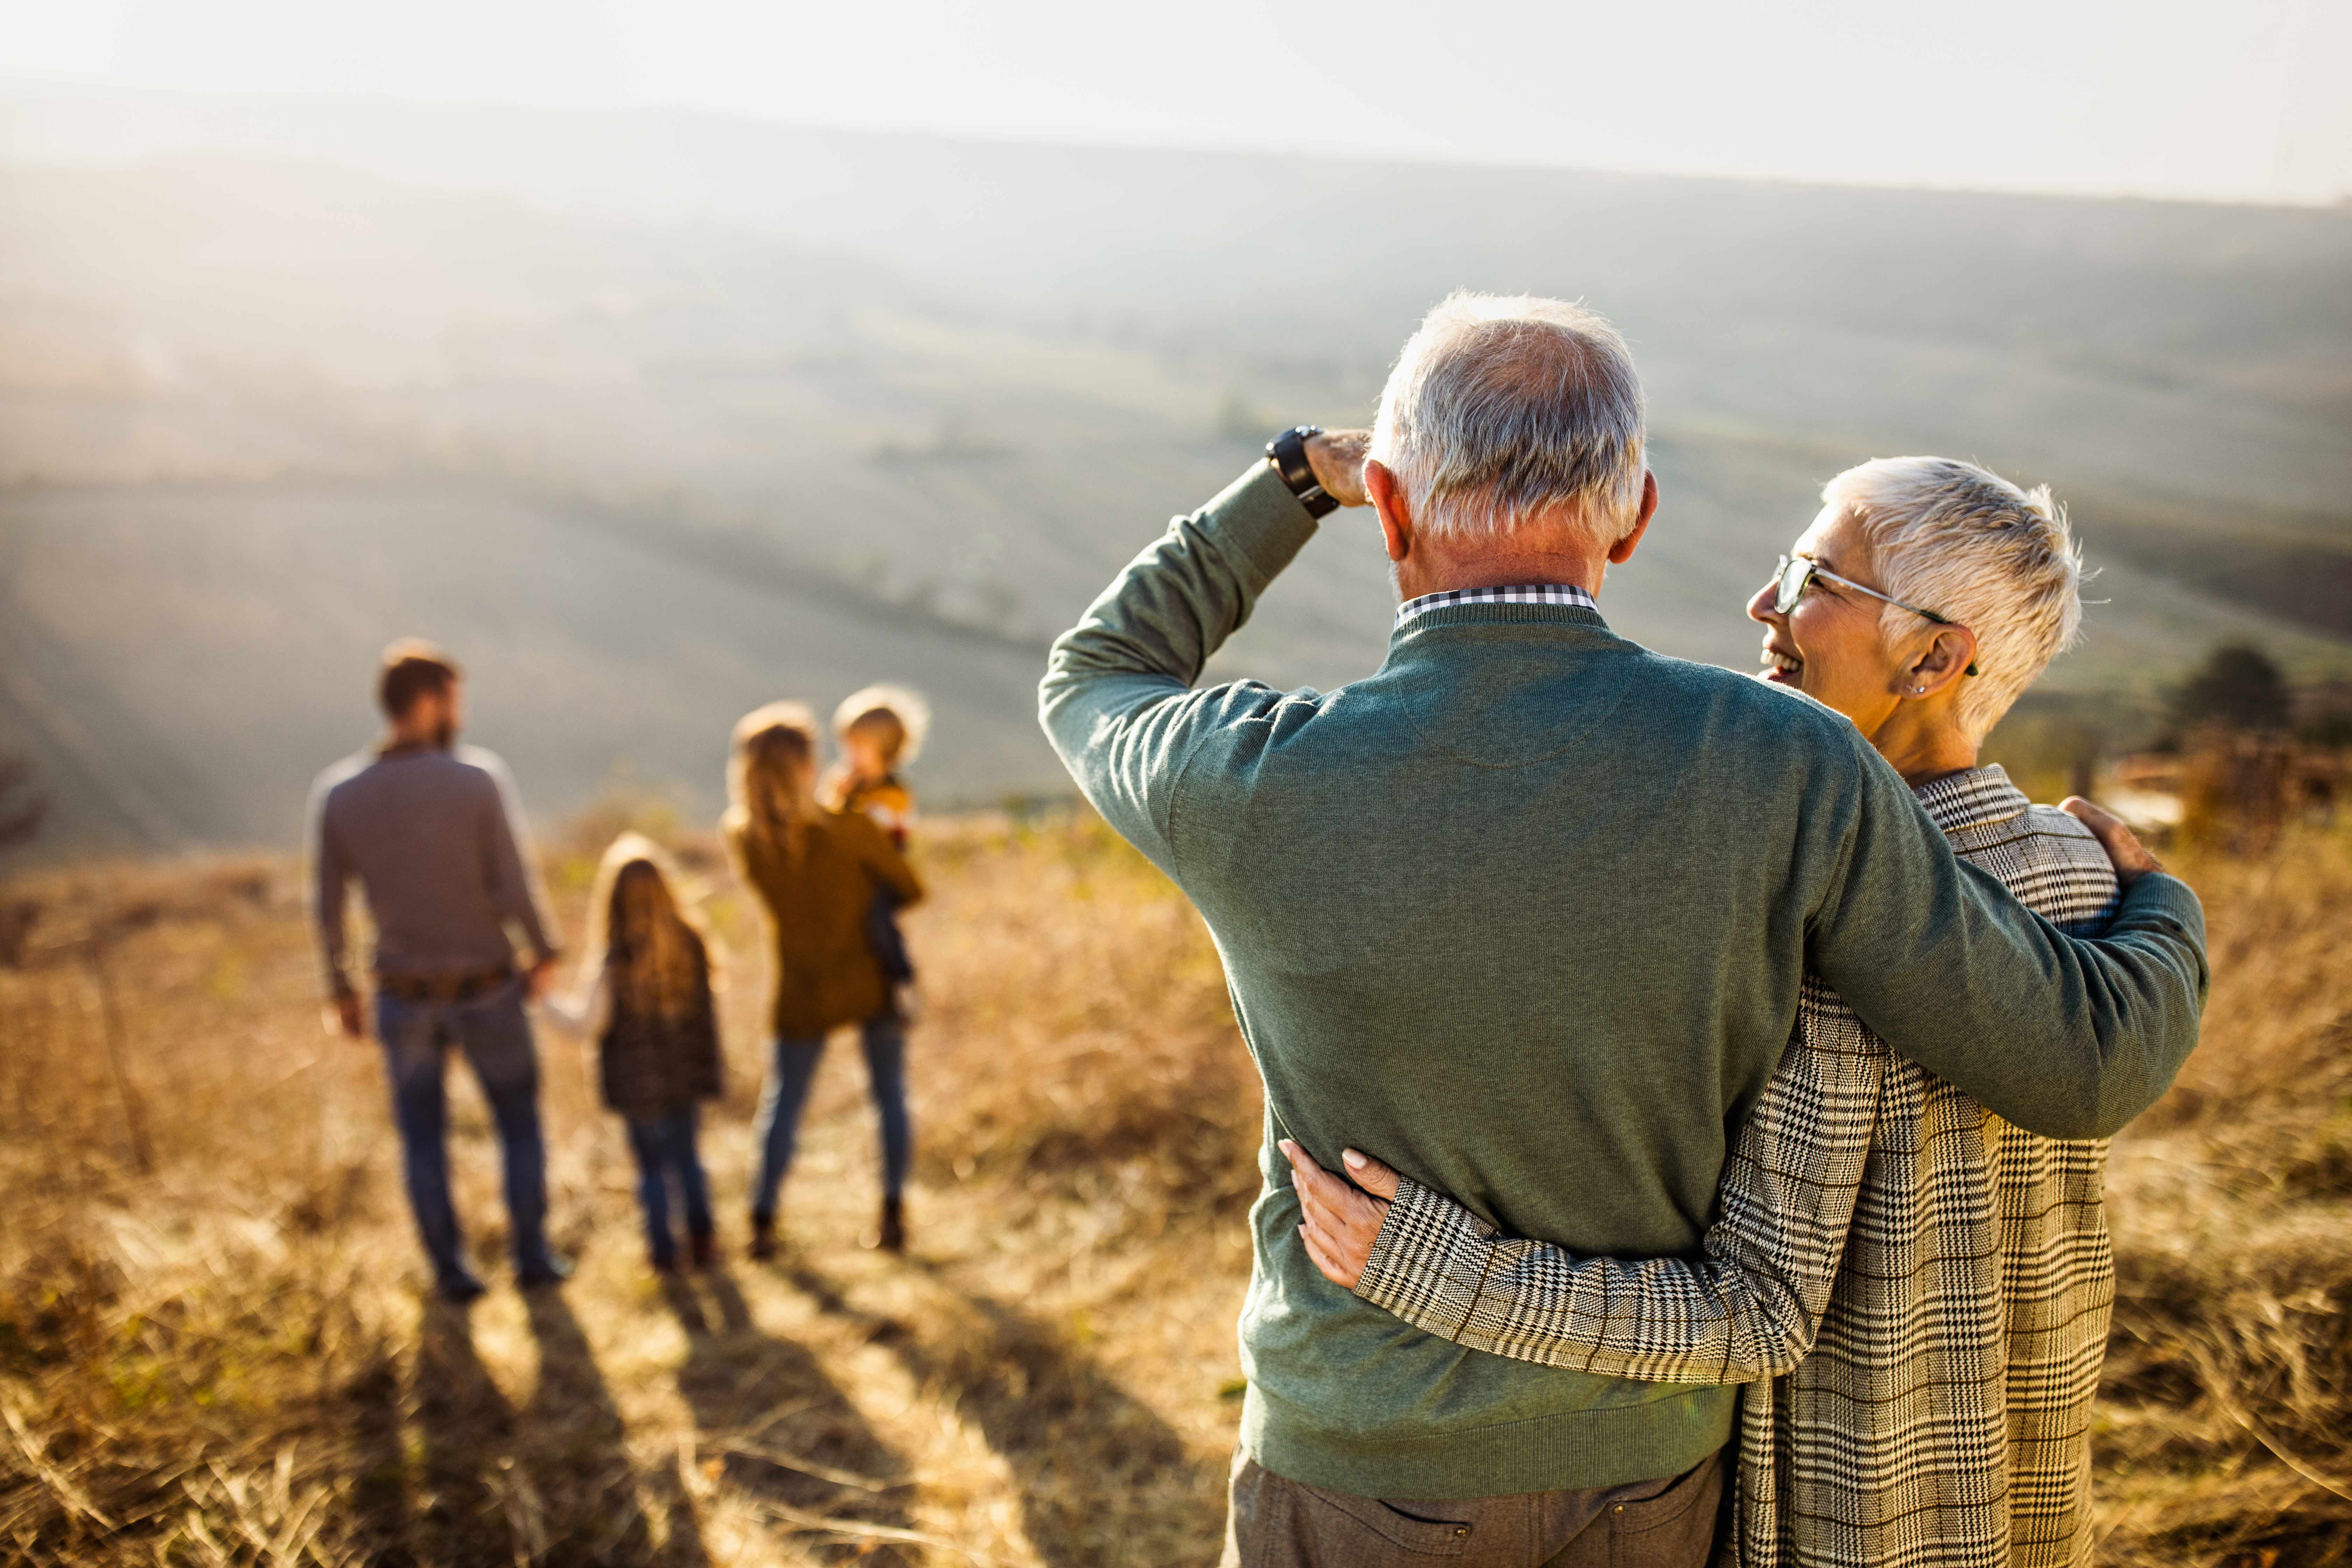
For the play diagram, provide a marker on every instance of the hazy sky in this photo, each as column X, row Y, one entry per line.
column 2236, row 99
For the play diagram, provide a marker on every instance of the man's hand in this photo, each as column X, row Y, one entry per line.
column 2131, row 858
column 1338, row 458
column 539, row 977
column 1342, row 1220
column 343, row 1017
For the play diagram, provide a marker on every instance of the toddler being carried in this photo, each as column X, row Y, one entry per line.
column 880, row 729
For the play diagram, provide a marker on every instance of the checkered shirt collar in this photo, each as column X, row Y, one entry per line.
column 1566, row 594
column 1973, row 797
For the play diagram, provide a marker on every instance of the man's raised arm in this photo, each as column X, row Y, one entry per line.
column 1118, row 699
column 2064, row 1037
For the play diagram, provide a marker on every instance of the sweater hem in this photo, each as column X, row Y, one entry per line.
column 1571, row 1450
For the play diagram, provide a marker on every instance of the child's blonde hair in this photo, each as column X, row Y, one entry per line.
column 902, row 712
column 656, row 966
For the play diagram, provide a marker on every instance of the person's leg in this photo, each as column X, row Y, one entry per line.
column 649, row 1141
column 778, row 1125
column 884, row 1040
column 693, row 1187
column 497, row 1036
column 420, row 1109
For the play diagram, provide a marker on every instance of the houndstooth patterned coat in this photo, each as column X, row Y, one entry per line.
column 1916, row 1293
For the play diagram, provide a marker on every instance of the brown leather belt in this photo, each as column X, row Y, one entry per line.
column 442, row 987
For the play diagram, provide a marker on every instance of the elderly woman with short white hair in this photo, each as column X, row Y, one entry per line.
column 1914, row 1292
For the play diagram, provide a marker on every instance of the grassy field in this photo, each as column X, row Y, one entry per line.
column 215, row 1347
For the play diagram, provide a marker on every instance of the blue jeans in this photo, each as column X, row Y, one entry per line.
column 786, row 1092
column 496, row 1037
column 664, row 1148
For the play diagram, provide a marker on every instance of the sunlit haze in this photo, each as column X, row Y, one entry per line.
column 2237, row 100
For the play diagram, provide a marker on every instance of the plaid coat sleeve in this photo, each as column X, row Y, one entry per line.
column 1748, row 1309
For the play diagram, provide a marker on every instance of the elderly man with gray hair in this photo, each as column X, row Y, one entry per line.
column 1529, row 911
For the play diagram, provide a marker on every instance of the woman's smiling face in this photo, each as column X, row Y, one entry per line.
column 1830, row 644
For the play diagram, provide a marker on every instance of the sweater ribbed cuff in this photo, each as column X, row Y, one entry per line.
column 2161, row 894
column 1258, row 520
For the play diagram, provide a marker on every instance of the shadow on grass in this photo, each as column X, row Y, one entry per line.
column 464, row 1425
column 783, row 1434
column 489, row 1484
column 1102, row 1479
column 573, row 1447
column 369, row 1407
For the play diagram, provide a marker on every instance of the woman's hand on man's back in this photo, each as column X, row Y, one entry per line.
column 1342, row 1220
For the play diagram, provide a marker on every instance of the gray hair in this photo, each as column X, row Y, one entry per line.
column 1965, row 542
column 1503, row 407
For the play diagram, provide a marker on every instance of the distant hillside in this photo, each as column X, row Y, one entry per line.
column 653, row 417
column 2200, row 349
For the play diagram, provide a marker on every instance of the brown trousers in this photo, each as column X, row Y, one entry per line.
column 1275, row 1522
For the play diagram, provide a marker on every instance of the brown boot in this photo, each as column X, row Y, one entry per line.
column 894, row 1225
column 702, row 1248
column 763, row 1236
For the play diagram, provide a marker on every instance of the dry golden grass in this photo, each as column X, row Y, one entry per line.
column 2226, row 1431
column 215, row 1347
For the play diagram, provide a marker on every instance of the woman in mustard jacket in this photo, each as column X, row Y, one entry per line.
column 816, row 873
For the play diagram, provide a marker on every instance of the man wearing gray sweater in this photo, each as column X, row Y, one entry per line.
column 1530, row 905
column 432, row 833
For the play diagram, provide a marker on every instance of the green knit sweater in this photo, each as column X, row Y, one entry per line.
column 1525, row 912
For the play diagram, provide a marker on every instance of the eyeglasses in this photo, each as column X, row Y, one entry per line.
column 1795, row 571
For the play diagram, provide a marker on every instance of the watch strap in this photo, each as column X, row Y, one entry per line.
column 1288, row 453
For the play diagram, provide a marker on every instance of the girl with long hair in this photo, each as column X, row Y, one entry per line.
column 645, row 995
column 816, row 873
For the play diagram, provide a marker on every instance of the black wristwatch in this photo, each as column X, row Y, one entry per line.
column 1288, row 453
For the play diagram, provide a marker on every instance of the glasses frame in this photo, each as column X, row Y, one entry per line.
column 1786, row 593
column 1794, row 572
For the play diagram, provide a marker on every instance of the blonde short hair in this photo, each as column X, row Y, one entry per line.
column 1963, row 542
column 905, row 708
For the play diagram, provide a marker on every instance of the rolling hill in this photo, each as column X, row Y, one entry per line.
column 653, row 417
